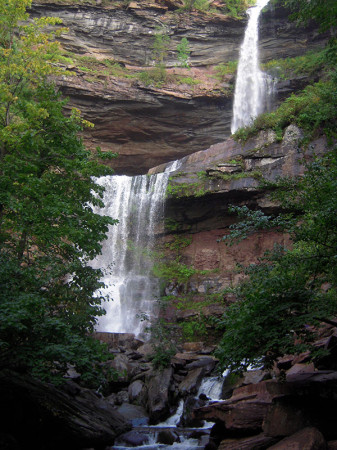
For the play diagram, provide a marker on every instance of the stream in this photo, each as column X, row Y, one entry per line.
column 138, row 203
column 191, row 438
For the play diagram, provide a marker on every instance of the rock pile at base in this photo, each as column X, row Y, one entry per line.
column 296, row 409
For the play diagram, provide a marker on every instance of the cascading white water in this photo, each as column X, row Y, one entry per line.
column 250, row 87
column 211, row 387
column 138, row 203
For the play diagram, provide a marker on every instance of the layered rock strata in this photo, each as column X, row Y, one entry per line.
column 150, row 125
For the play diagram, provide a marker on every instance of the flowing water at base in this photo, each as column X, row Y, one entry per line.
column 211, row 387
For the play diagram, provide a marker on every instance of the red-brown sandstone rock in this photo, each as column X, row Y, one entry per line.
column 246, row 409
column 247, row 443
column 305, row 439
column 283, row 419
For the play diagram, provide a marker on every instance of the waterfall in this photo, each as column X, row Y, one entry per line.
column 211, row 387
column 250, row 87
column 138, row 204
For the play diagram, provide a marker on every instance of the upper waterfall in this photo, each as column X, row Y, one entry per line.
column 249, row 96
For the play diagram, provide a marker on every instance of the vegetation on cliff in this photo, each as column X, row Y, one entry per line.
column 48, row 230
column 291, row 291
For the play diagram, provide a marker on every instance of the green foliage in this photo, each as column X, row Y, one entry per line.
column 160, row 46
column 325, row 13
column 186, row 189
column 309, row 64
column 161, row 356
column 313, row 110
column 173, row 271
column 199, row 5
column 105, row 155
column 233, row 8
column 206, row 328
column 222, row 70
column 156, row 75
column 178, row 242
column 98, row 70
column 237, row 8
column 48, row 230
column 184, row 51
column 163, row 339
column 172, row 225
column 189, row 80
column 253, row 221
column 283, row 295
column 194, row 330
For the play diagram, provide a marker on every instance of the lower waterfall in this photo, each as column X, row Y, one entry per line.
column 138, row 204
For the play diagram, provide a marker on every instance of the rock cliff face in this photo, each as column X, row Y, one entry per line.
column 230, row 173
column 148, row 125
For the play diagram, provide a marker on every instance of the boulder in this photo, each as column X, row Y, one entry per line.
column 137, row 393
column 247, row 443
column 231, row 382
column 158, row 387
column 133, row 414
column 305, row 439
column 117, row 340
column 246, row 409
column 125, row 368
column 206, row 362
column 255, row 376
column 39, row 415
column 284, row 418
column 191, row 383
column 121, row 397
column 132, row 439
column 246, row 416
column 111, row 399
column 284, row 362
column 167, row 437
column 329, row 361
column 192, row 360
column 145, row 350
column 193, row 346
column 187, row 419
column 299, row 369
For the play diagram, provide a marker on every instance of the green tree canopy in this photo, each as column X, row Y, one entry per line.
column 48, row 230
column 324, row 12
